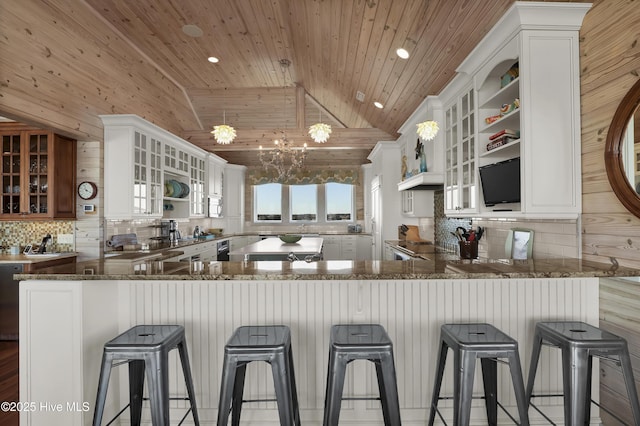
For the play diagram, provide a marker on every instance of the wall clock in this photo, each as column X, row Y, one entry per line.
column 87, row 190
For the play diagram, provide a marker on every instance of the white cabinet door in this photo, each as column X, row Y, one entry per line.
column 234, row 191
column 417, row 203
column 460, row 185
column 364, row 245
column 215, row 175
column 331, row 248
column 348, row 247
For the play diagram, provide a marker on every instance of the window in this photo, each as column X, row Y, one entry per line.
column 268, row 202
column 303, row 203
column 287, row 204
column 339, row 202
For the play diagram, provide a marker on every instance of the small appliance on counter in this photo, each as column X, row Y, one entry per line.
column 123, row 242
column 354, row 229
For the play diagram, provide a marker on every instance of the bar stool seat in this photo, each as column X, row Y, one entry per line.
column 579, row 343
column 487, row 343
column 145, row 348
column 271, row 344
column 361, row 341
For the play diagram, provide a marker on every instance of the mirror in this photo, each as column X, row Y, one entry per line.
column 622, row 151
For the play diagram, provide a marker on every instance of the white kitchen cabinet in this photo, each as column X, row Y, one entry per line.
column 237, row 242
column 215, row 175
column 234, row 188
column 348, row 247
column 364, row 246
column 133, row 168
column 545, row 109
column 331, row 247
column 417, row 203
column 139, row 159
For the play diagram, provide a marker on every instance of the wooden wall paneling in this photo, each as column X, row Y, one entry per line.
column 619, row 305
column 610, row 60
column 62, row 66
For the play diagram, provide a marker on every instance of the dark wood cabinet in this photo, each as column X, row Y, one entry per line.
column 38, row 174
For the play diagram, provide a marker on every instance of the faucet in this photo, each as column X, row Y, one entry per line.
column 43, row 245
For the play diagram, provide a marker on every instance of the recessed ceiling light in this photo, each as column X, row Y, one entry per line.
column 402, row 53
column 213, row 59
column 192, row 30
column 378, row 105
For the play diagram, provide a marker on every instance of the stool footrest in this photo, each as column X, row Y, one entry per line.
column 477, row 397
column 259, row 400
column 561, row 395
column 362, row 398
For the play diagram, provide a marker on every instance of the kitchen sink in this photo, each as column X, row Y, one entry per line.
column 44, row 254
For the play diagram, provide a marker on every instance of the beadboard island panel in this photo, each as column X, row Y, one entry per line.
column 65, row 324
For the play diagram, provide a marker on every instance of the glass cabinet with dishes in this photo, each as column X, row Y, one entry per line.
column 30, row 188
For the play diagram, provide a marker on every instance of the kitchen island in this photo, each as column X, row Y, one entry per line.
column 69, row 312
column 275, row 249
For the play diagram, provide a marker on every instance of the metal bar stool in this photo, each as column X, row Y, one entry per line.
column 470, row 342
column 361, row 341
column 579, row 343
column 272, row 344
column 145, row 348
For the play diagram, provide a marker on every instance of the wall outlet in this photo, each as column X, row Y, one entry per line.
column 65, row 238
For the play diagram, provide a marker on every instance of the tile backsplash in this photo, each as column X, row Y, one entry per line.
column 552, row 238
column 21, row 233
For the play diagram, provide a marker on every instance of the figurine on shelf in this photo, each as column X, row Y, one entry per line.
column 403, row 168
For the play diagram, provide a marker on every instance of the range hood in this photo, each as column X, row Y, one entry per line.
column 424, row 181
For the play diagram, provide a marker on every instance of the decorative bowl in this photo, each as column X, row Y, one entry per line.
column 290, row 238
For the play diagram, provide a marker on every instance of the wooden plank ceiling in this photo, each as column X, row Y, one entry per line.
column 336, row 48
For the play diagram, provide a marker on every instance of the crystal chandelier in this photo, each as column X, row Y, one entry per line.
column 284, row 158
column 428, row 130
column 224, row 134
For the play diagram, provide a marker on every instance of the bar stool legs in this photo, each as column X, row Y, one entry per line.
column 470, row 342
column 271, row 344
column 579, row 343
column 146, row 349
column 367, row 342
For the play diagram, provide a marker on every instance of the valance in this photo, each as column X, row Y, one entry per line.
column 305, row 177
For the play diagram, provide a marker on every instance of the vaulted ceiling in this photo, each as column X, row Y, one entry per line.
column 336, row 48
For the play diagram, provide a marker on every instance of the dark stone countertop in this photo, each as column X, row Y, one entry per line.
column 440, row 266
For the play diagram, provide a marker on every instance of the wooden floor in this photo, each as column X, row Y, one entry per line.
column 9, row 387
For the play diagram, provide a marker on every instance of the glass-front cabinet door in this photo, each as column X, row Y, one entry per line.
column 38, row 182
column 11, row 185
column 461, row 187
column 197, row 183
column 147, row 176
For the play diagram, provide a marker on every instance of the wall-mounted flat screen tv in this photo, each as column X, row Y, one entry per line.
column 501, row 182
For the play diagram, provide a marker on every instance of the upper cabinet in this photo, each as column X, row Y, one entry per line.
column 38, row 174
column 460, row 182
column 151, row 173
column 517, row 96
column 215, row 175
